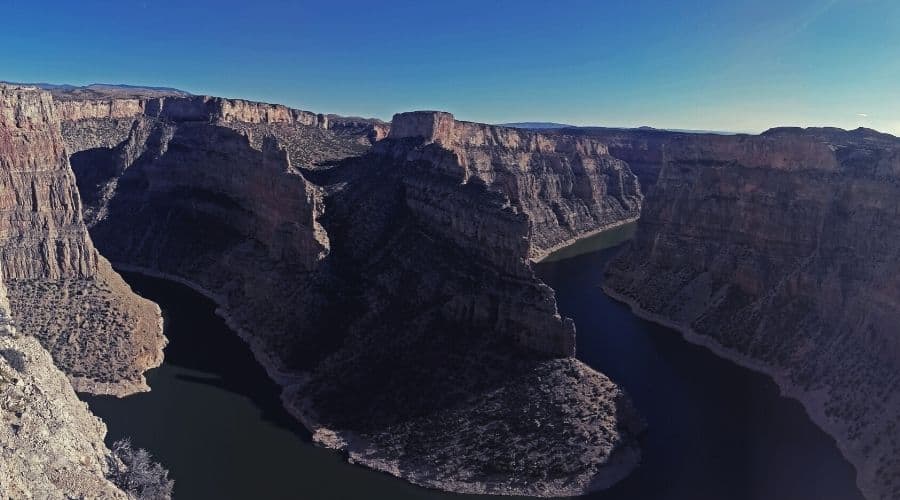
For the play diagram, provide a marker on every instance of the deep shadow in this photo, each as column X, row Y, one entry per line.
column 715, row 430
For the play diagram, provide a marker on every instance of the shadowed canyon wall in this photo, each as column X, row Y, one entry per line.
column 781, row 251
column 389, row 291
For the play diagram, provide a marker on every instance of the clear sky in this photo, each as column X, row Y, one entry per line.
column 737, row 65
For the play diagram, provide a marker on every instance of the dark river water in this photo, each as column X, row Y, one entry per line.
column 716, row 431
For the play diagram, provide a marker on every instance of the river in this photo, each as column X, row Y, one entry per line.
column 716, row 431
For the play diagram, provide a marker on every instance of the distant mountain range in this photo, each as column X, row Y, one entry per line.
column 536, row 125
column 101, row 90
column 556, row 126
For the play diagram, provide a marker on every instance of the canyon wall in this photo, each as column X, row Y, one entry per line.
column 782, row 251
column 103, row 109
column 569, row 187
column 389, row 291
column 60, row 289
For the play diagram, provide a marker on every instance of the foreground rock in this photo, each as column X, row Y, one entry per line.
column 388, row 288
column 782, row 251
column 51, row 446
column 63, row 292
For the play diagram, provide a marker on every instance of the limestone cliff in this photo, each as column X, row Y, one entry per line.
column 388, row 291
column 569, row 187
column 51, row 446
column 63, row 292
column 782, row 251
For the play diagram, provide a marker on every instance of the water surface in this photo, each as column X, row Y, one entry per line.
column 716, row 431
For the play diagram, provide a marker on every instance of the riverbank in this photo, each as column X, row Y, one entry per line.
column 623, row 455
column 813, row 402
column 543, row 254
column 281, row 377
column 622, row 460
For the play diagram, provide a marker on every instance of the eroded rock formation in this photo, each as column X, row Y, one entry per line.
column 569, row 187
column 60, row 289
column 782, row 251
column 388, row 289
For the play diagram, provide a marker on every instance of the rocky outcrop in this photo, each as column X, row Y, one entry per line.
column 782, row 251
column 569, row 187
column 378, row 129
column 93, row 128
column 63, row 292
column 390, row 292
column 51, row 446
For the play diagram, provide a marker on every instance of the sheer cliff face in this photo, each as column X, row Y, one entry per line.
column 783, row 249
column 52, row 446
column 646, row 151
column 567, row 186
column 390, row 293
column 60, row 288
column 39, row 195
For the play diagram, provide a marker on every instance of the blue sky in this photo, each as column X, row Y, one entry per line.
column 703, row 64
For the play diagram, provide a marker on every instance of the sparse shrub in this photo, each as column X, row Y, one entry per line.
column 15, row 359
column 134, row 471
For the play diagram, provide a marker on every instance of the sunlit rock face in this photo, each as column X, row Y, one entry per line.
column 567, row 186
column 60, row 289
column 784, row 249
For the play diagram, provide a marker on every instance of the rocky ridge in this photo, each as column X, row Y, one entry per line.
column 780, row 251
column 51, row 446
column 60, row 289
column 569, row 187
column 388, row 291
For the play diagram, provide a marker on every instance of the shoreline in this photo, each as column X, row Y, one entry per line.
column 812, row 402
column 279, row 376
column 126, row 387
column 544, row 253
column 356, row 450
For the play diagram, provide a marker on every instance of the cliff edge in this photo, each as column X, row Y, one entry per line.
column 61, row 290
column 781, row 251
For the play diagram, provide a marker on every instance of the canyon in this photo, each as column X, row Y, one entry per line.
column 382, row 272
column 383, row 278
column 60, row 289
column 780, row 251
column 67, row 320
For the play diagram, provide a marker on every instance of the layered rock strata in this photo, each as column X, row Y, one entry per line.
column 569, row 187
column 782, row 251
column 63, row 292
column 391, row 293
